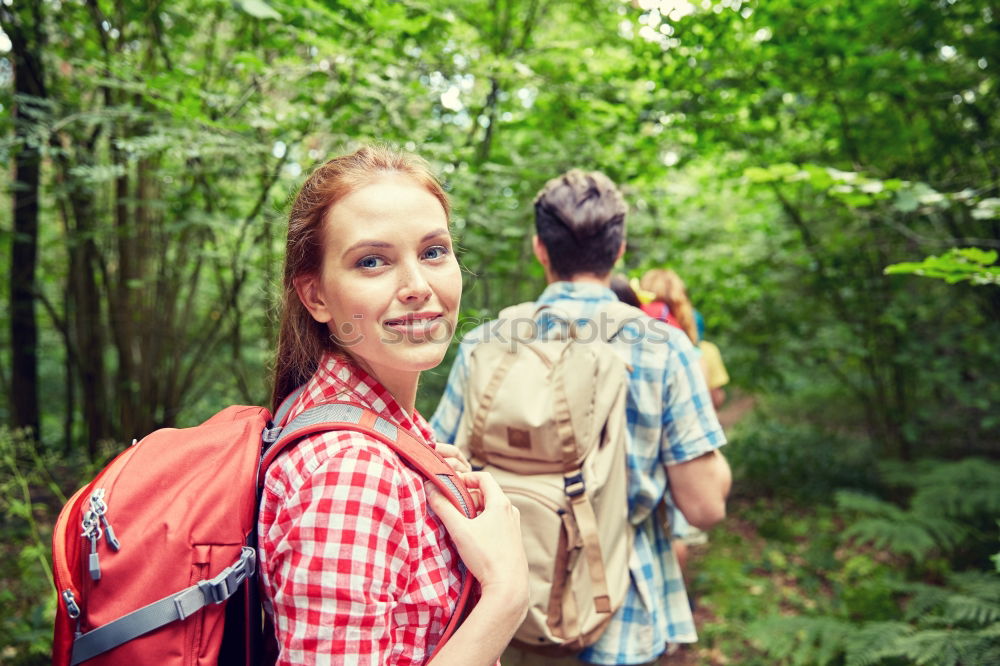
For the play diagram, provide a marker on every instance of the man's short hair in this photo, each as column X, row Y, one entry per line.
column 580, row 219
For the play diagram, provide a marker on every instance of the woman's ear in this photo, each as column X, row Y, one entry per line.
column 311, row 295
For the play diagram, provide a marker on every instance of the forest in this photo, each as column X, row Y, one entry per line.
column 825, row 176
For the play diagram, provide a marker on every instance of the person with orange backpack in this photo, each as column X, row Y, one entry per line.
column 669, row 303
column 563, row 399
column 367, row 539
column 357, row 563
column 667, row 300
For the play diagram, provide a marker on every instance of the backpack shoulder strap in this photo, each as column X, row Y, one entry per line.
column 286, row 405
column 352, row 416
column 527, row 309
column 424, row 459
column 621, row 314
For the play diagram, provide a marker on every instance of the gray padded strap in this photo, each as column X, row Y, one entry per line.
column 336, row 413
column 322, row 414
column 286, row 405
column 169, row 609
column 271, row 435
column 448, row 481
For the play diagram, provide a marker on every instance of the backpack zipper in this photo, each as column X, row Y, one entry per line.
column 100, row 509
column 71, row 608
column 62, row 567
column 95, row 527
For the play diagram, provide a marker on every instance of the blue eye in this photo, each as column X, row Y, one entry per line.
column 371, row 261
column 435, row 252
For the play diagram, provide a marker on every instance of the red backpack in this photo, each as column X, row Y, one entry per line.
column 154, row 559
column 660, row 310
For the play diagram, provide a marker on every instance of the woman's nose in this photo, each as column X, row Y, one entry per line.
column 413, row 286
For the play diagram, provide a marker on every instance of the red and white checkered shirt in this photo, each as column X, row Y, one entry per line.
column 355, row 568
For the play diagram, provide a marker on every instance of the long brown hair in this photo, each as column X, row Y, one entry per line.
column 301, row 339
column 669, row 288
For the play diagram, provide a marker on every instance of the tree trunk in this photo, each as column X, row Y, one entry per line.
column 26, row 32
column 87, row 320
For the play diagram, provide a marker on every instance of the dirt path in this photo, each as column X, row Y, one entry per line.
column 734, row 409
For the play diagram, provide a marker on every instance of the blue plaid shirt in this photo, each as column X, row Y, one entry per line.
column 670, row 421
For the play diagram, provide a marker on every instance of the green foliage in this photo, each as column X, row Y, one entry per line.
column 27, row 593
column 779, row 155
column 882, row 612
column 869, row 588
column 952, row 508
column 800, row 461
column 955, row 623
column 888, row 527
column 802, row 641
column 956, row 265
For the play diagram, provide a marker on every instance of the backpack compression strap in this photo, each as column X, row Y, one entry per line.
column 431, row 465
column 164, row 611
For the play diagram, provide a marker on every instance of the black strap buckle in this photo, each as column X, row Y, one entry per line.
column 574, row 485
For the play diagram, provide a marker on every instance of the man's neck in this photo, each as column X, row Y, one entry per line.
column 583, row 278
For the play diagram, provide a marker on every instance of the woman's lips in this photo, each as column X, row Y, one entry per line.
column 415, row 325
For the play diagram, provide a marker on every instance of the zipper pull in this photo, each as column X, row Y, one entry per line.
column 92, row 531
column 100, row 509
column 71, row 608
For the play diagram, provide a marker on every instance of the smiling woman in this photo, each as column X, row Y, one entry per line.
column 389, row 287
column 360, row 563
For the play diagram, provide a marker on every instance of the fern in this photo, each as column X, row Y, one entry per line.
column 874, row 642
column 867, row 504
column 902, row 532
column 978, row 599
column 900, row 474
column 964, row 489
column 926, row 600
column 952, row 647
column 957, row 624
column 950, row 505
column 804, row 641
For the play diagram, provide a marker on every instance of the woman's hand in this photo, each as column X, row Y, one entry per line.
column 489, row 544
column 454, row 457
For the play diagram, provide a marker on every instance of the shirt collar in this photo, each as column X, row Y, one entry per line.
column 576, row 291
column 339, row 377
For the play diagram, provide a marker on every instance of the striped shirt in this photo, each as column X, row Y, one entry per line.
column 355, row 568
column 670, row 421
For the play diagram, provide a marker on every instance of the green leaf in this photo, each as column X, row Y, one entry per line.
column 758, row 175
column 258, row 9
column 969, row 264
column 906, row 201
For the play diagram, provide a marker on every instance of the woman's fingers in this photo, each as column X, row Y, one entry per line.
column 454, row 457
column 486, row 484
column 487, row 492
column 442, row 506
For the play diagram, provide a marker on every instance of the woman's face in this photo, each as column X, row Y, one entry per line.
column 390, row 285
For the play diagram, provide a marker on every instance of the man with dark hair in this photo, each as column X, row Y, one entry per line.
column 673, row 432
column 580, row 225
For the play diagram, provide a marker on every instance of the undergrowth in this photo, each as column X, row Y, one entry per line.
column 859, row 581
column 827, row 558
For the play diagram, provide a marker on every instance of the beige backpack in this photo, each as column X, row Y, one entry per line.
column 547, row 418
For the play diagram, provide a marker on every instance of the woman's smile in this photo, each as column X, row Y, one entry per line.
column 418, row 325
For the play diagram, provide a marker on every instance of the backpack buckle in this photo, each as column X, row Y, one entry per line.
column 223, row 586
column 574, row 485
